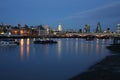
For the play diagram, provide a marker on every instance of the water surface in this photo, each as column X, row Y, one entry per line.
column 60, row 61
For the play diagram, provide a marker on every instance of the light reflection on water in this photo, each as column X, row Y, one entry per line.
column 59, row 48
column 28, row 47
column 60, row 61
column 24, row 48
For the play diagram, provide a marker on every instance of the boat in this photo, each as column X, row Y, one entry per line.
column 44, row 41
column 8, row 42
column 89, row 38
column 115, row 46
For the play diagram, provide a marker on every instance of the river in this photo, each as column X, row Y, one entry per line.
column 61, row 61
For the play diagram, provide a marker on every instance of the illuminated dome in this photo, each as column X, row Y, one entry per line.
column 60, row 27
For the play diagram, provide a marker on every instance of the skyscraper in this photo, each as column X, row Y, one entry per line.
column 87, row 28
column 118, row 28
column 98, row 29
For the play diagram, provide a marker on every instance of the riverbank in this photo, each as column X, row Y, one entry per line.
column 107, row 69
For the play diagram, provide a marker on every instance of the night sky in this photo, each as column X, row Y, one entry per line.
column 72, row 14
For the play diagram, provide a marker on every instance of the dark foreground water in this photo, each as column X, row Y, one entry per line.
column 60, row 61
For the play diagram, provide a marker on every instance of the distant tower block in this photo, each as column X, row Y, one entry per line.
column 60, row 27
column 98, row 29
column 118, row 28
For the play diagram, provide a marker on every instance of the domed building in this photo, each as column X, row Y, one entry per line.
column 60, row 28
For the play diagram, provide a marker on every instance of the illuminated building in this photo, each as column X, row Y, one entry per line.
column 87, row 28
column 21, row 31
column 118, row 28
column 98, row 29
column 60, row 27
column 47, row 29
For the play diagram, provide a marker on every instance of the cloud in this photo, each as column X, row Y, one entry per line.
column 109, row 15
column 111, row 10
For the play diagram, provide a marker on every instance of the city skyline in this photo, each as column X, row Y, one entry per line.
column 71, row 14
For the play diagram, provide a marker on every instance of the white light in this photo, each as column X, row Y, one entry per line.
column 2, row 33
column 60, row 27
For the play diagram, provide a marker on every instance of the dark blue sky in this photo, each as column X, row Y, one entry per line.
column 72, row 14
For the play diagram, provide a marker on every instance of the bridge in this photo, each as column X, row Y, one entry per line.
column 98, row 35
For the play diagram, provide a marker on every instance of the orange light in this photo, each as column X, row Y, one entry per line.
column 21, row 42
column 15, row 32
column 21, row 48
column 28, row 47
column 21, row 31
column 28, row 41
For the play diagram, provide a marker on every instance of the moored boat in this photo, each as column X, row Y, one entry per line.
column 89, row 38
column 44, row 41
column 8, row 42
column 115, row 46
